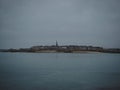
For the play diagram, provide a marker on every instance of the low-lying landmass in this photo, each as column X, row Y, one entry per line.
column 64, row 49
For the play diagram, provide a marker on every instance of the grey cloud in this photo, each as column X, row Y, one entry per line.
column 29, row 22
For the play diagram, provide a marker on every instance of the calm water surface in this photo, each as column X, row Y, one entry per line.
column 59, row 71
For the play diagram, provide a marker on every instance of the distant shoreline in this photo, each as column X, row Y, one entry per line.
column 81, row 52
column 64, row 49
column 56, row 51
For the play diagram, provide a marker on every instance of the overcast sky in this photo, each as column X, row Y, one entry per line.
column 24, row 23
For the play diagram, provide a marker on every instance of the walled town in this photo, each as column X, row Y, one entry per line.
column 64, row 49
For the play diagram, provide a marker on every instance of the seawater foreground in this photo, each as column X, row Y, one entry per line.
column 59, row 71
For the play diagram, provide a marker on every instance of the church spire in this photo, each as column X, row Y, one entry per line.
column 56, row 43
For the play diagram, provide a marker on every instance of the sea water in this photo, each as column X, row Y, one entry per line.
column 59, row 71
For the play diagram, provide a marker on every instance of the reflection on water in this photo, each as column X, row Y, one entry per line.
column 59, row 71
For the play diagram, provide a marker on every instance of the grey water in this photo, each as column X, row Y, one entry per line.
column 59, row 71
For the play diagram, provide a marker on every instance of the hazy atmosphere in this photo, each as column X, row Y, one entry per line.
column 24, row 23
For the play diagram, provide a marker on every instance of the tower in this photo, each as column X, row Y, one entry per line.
column 56, row 44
